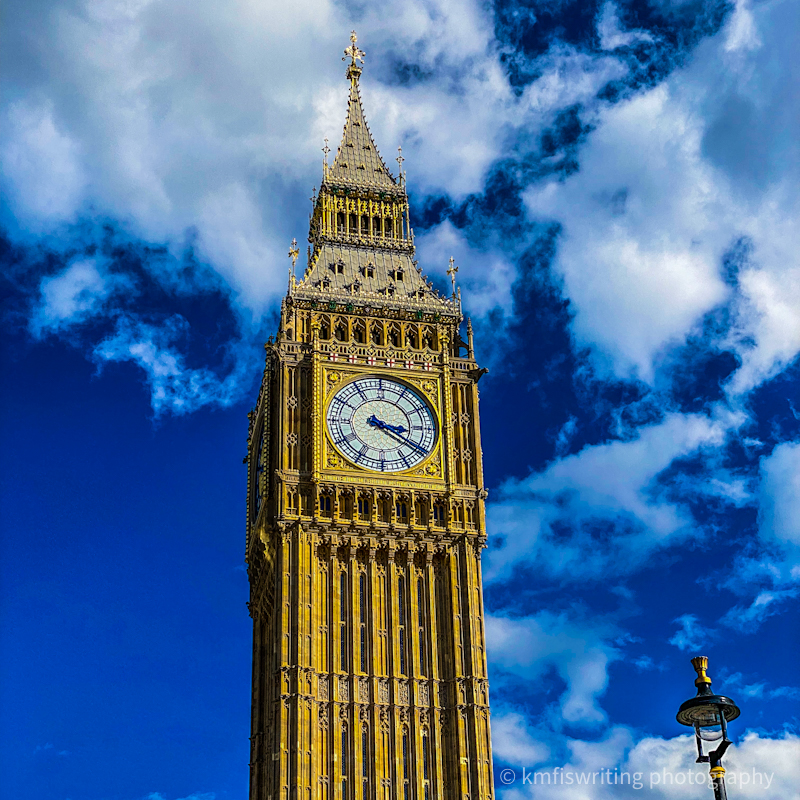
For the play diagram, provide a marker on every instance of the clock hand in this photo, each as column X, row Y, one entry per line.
column 395, row 431
column 385, row 426
column 407, row 441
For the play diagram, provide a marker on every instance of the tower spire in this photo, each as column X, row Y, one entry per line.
column 358, row 162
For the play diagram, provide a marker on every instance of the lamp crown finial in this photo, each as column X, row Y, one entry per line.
column 700, row 663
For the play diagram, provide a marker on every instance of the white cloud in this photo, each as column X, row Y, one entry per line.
column 759, row 689
column 617, row 766
column 196, row 116
column 576, row 650
column 768, row 575
column 611, row 34
column 486, row 276
column 765, row 604
column 594, row 513
column 669, row 181
column 41, row 164
column 174, row 387
column 81, row 291
column 779, row 507
column 513, row 742
column 691, row 635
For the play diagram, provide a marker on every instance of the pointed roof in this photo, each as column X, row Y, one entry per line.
column 358, row 161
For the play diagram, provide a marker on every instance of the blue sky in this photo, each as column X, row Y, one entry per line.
column 618, row 183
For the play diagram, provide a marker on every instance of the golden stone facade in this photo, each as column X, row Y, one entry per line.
column 369, row 659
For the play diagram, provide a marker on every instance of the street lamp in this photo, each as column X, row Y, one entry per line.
column 709, row 715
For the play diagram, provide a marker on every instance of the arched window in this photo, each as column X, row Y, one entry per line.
column 340, row 222
column 325, row 505
column 401, row 511
column 341, row 332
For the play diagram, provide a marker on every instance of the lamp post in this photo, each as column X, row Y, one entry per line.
column 709, row 715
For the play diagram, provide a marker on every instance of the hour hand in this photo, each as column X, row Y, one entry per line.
column 385, row 426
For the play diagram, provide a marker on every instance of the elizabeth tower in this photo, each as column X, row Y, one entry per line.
column 365, row 518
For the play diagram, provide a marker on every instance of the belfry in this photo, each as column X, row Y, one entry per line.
column 365, row 512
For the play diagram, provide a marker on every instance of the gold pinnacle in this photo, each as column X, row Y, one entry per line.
column 294, row 252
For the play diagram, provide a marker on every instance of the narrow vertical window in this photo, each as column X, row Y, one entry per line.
column 421, row 626
column 401, row 622
column 343, row 621
column 405, row 766
column 425, row 767
column 344, row 763
column 362, row 601
column 365, row 760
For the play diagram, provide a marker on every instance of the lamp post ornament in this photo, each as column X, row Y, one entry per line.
column 709, row 715
column 452, row 273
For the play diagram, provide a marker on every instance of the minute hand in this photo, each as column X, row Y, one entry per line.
column 407, row 441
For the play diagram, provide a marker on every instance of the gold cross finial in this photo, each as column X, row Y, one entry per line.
column 451, row 271
column 353, row 52
column 294, row 252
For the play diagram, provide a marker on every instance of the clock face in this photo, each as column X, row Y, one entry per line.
column 381, row 425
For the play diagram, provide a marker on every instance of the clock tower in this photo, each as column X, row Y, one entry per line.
column 365, row 512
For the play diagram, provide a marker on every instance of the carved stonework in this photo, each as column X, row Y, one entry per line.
column 423, row 694
column 384, row 720
column 363, row 690
column 344, row 689
column 383, row 690
column 403, row 692
column 322, row 687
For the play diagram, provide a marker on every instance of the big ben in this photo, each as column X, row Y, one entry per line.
column 365, row 512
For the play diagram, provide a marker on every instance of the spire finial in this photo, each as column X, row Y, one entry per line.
column 400, row 161
column 451, row 271
column 354, row 53
column 294, row 252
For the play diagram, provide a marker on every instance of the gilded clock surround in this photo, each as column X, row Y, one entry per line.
column 369, row 663
column 429, row 463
